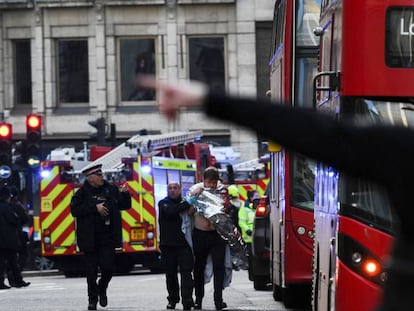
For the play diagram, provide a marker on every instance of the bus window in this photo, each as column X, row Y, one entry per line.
column 306, row 67
column 303, row 181
column 307, row 20
column 366, row 202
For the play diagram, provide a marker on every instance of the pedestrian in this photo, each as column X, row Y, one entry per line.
column 9, row 241
column 354, row 149
column 234, row 205
column 206, row 241
column 246, row 221
column 251, row 196
column 23, row 220
column 96, row 207
column 176, row 252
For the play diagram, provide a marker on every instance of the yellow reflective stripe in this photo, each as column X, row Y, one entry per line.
column 128, row 219
column 58, row 231
column 125, row 235
column 134, row 186
column 45, row 181
column 67, row 242
column 175, row 164
column 59, row 208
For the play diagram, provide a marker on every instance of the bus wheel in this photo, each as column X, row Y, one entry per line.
column 260, row 282
column 289, row 297
column 277, row 292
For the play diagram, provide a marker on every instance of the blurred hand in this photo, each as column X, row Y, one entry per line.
column 197, row 191
column 123, row 188
column 173, row 96
column 102, row 210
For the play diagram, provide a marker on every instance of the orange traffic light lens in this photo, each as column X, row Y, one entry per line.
column 5, row 130
column 33, row 121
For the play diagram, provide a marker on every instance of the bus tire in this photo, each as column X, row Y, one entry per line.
column 289, row 297
column 260, row 282
column 277, row 292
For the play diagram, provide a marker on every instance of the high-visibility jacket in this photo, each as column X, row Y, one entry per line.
column 246, row 218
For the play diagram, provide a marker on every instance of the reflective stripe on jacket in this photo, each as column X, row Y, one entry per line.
column 246, row 218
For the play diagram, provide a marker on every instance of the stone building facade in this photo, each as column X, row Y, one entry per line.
column 73, row 61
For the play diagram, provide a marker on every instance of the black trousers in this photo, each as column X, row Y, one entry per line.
column 103, row 258
column 8, row 260
column 174, row 258
column 205, row 243
column 22, row 255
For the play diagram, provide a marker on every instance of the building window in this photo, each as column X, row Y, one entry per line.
column 207, row 61
column 73, row 72
column 22, row 72
column 137, row 56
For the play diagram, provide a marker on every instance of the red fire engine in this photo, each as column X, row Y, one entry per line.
column 146, row 164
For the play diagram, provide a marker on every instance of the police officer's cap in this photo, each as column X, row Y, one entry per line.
column 96, row 169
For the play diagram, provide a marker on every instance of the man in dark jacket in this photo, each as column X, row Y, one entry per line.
column 23, row 219
column 96, row 207
column 9, row 240
column 175, row 250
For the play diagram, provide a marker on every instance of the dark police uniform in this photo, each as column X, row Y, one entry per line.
column 9, row 241
column 98, row 236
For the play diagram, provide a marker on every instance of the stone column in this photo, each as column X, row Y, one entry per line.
column 100, row 49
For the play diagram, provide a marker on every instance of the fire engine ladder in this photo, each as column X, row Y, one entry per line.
column 248, row 165
column 142, row 144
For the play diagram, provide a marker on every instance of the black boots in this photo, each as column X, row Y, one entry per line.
column 92, row 305
column 103, row 298
column 4, row 286
column 221, row 305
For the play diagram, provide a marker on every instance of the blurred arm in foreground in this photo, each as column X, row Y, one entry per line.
column 362, row 151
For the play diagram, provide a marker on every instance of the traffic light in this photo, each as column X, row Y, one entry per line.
column 99, row 124
column 5, row 144
column 33, row 139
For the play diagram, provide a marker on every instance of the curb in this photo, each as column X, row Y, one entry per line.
column 33, row 273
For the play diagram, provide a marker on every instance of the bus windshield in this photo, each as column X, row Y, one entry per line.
column 358, row 198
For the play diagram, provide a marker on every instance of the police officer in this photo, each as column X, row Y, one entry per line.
column 175, row 249
column 96, row 207
column 23, row 219
column 246, row 221
column 9, row 240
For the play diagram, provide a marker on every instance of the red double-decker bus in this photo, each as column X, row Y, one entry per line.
column 366, row 70
column 294, row 60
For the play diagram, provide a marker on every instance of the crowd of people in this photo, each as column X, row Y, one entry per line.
column 354, row 149
column 189, row 242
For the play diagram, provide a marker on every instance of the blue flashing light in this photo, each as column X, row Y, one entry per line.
column 146, row 169
column 45, row 173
